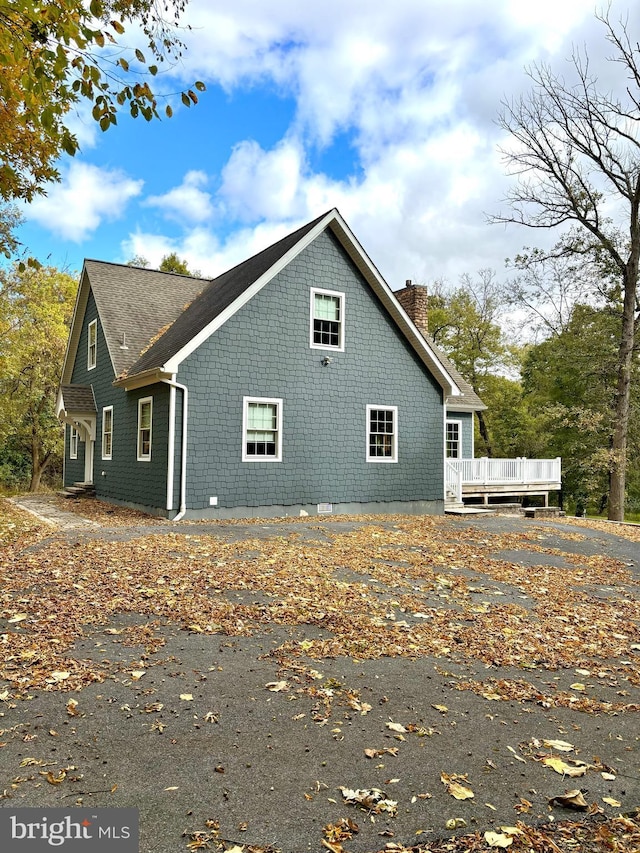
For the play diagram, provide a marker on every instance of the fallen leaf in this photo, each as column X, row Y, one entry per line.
column 396, row 727
column 171, row 788
column 560, row 745
column 570, row 800
column 497, row 839
column 578, row 686
column 59, row 675
column 515, row 754
column 277, row 686
column 453, row 786
column 611, row 802
column 455, row 823
column 372, row 800
column 136, row 674
column 442, row 708
column 19, row 617
column 609, row 777
column 186, row 697
column 564, row 769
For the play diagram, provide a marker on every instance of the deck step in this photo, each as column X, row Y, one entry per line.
column 79, row 490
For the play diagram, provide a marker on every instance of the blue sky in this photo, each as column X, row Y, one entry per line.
column 386, row 111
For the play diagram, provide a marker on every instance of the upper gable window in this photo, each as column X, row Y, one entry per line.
column 327, row 319
column 92, row 344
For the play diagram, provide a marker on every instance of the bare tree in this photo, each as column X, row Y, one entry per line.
column 576, row 156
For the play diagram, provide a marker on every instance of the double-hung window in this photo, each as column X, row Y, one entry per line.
column 382, row 433
column 73, row 443
column 262, row 429
column 107, row 432
column 92, row 344
column 327, row 319
column 145, row 414
column 452, row 438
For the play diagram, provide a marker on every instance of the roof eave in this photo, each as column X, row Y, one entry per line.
column 142, row 379
column 464, row 407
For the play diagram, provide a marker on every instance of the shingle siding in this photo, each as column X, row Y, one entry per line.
column 467, row 431
column 73, row 468
column 264, row 351
column 124, row 478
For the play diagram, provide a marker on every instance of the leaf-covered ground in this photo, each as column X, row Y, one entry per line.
column 512, row 649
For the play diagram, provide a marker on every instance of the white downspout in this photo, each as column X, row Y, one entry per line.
column 183, row 452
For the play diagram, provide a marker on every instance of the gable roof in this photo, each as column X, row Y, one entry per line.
column 226, row 294
column 134, row 305
column 220, row 293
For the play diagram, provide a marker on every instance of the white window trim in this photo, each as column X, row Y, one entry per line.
column 245, row 420
column 73, row 445
column 104, row 411
column 394, row 456
column 321, row 292
column 91, row 362
column 140, row 456
column 459, row 423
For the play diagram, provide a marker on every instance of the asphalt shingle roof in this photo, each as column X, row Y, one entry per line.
column 78, row 399
column 137, row 303
column 218, row 295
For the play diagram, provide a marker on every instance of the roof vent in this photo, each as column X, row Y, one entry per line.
column 123, row 345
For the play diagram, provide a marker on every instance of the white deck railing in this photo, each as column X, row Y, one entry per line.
column 485, row 471
column 453, row 481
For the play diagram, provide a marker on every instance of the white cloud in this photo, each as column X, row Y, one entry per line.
column 187, row 201
column 414, row 86
column 86, row 196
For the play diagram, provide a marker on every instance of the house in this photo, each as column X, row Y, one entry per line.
column 293, row 383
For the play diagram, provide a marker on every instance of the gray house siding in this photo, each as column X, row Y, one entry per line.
column 121, row 478
column 466, row 419
column 73, row 468
column 264, row 351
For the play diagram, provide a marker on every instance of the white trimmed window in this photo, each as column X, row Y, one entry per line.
column 382, row 433
column 145, row 416
column 453, row 439
column 107, row 432
column 92, row 344
column 262, row 429
column 327, row 319
column 73, row 443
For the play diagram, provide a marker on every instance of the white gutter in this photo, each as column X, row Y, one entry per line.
column 171, row 447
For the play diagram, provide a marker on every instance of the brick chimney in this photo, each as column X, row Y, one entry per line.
column 414, row 300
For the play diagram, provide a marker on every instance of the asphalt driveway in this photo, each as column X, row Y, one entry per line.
column 321, row 684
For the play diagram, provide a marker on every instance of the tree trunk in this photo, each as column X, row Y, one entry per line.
column 484, row 432
column 617, row 473
column 38, row 465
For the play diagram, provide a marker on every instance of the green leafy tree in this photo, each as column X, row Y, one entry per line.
column 576, row 158
column 464, row 322
column 569, row 378
column 35, row 311
column 172, row 263
column 56, row 53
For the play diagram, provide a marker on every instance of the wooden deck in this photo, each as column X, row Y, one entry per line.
column 488, row 479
